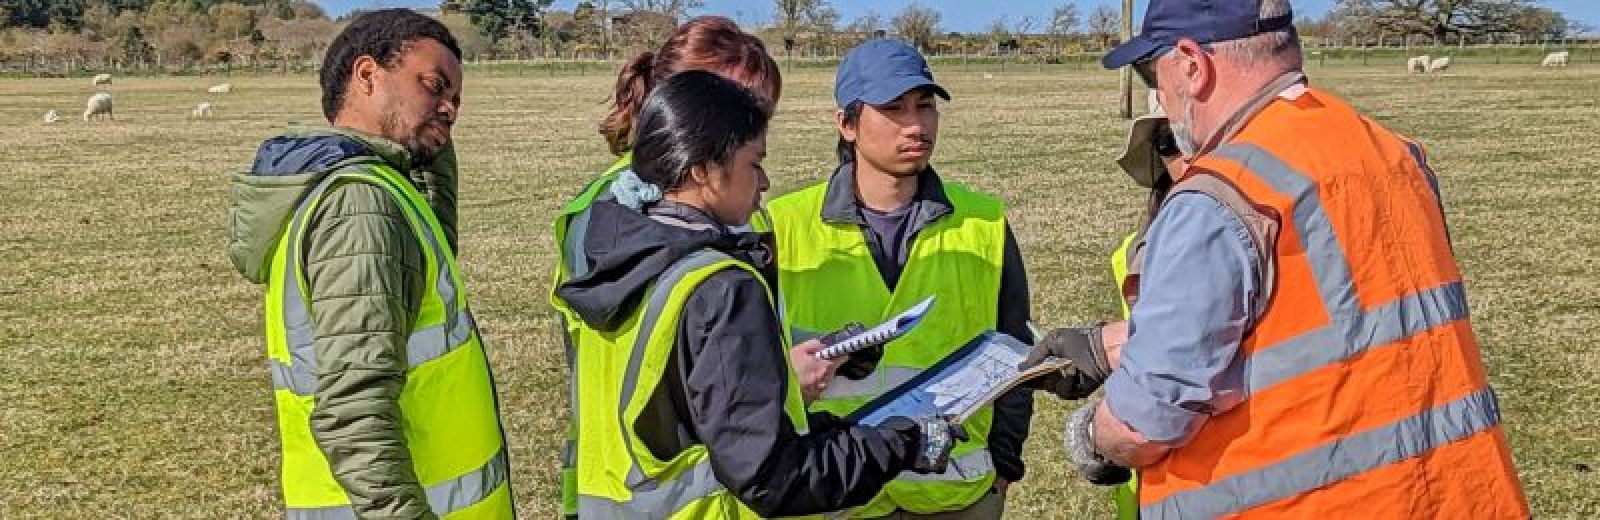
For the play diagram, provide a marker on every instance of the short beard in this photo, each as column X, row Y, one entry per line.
column 419, row 155
column 1183, row 131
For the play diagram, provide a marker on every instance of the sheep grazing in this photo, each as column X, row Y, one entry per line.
column 1556, row 59
column 1439, row 65
column 1418, row 64
column 201, row 110
column 51, row 117
column 99, row 105
column 102, row 79
column 221, row 89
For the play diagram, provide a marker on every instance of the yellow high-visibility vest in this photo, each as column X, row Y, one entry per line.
column 451, row 421
column 828, row 279
column 617, row 475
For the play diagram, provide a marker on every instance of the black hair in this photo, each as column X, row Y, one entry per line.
column 383, row 35
column 693, row 118
column 852, row 117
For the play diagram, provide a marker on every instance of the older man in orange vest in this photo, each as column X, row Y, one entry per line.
column 1299, row 343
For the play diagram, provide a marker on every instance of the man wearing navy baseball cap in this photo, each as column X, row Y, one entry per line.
column 1299, row 340
column 882, row 233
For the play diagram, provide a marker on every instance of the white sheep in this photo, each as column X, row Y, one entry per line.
column 201, row 110
column 1418, row 64
column 51, row 117
column 102, row 79
column 221, row 89
column 1439, row 65
column 1556, row 59
column 99, row 105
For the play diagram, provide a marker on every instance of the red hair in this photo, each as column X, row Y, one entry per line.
column 709, row 43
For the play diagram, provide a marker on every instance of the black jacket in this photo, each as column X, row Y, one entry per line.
column 1013, row 411
column 726, row 380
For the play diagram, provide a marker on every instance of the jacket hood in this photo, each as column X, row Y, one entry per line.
column 262, row 199
column 628, row 250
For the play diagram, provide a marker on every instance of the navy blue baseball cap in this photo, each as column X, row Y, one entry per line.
column 1204, row 21
column 880, row 70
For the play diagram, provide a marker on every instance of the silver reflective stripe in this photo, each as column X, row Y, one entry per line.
column 577, row 231
column 656, row 501
column 966, row 467
column 1350, row 331
column 1336, row 460
column 882, row 380
column 1388, row 323
column 284, row 378
column 422, row 345
column 1322, row 248
column 469, row 489
column 320, row 513
column 577, row 234
column 660, row 292
column 444, row 498
column 297, row 332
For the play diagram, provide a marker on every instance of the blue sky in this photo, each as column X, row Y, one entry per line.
column 959, row 15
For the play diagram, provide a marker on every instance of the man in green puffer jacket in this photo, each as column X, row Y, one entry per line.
column 391, row 89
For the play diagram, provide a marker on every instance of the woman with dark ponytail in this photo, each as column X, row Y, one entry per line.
column 708, row 43
column 692, row 404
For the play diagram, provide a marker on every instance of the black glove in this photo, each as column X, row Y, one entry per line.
column 859, row 364
column 1080, row 450
column 1080, row 345
column 930, row 438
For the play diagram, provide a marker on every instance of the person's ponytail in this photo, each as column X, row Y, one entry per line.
column 633, row 84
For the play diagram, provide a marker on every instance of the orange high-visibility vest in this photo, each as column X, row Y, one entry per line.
column 1365, row 393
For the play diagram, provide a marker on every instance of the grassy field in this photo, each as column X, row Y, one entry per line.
column 133, row 370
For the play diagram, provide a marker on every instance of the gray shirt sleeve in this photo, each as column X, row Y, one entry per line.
column 1180, row 364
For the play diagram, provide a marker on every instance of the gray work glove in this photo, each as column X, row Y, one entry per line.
column 859, row 364
column 1080, row 451
column 1080, row 345
column 931, row 438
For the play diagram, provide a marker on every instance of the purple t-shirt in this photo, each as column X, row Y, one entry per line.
column 889, row 239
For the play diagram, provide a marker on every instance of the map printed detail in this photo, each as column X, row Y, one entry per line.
column 961, row 383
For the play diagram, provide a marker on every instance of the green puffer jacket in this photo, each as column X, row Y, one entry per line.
column 364, row 268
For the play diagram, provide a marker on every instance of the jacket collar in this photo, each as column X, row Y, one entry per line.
column 841, row 206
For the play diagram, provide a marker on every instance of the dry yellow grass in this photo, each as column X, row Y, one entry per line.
column 132, row 375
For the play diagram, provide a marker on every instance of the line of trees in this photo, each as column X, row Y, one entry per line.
column 64, row 35
column 1442, row 21
column 799, row 28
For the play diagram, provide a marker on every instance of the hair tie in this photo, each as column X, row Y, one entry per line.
column 633, row 192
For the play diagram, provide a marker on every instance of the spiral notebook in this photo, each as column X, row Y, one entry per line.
column 881, row 334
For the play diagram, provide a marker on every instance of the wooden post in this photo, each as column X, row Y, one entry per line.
column 1127, row 72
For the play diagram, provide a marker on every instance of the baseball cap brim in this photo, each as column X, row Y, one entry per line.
column 1139, row 159
column 886, row 91
column 1135, row 50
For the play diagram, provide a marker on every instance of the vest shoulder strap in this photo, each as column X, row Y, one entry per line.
column 1260, row 222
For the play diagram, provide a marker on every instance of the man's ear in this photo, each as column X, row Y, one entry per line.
column 845, row 130
column 364, row 74
column 1195, row 65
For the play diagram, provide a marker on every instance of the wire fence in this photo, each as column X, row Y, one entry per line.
column 1316, row 55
